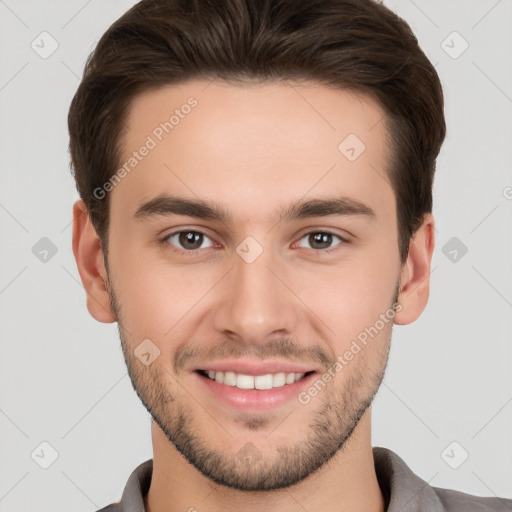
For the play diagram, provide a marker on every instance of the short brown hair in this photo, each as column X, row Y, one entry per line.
column 354, row 44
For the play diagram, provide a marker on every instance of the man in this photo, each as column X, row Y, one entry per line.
column 256, row 213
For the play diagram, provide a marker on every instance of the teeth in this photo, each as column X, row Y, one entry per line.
column 290, row 378
column 263, row 381
column 279, row 379
column 268, row 381
column 229, row 378
column 244, row 381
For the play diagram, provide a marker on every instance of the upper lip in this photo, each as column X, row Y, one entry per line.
column 255, row 367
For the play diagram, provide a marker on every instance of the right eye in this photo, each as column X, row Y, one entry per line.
column 188, row 240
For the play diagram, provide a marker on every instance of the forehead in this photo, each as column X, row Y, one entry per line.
column 252, row 144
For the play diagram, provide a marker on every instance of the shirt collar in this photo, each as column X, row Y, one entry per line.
column 403, row 491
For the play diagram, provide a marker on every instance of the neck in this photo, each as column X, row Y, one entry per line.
column 348, row 482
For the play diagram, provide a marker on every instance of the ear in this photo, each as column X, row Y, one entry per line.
column 89, row 259
column 415, row 276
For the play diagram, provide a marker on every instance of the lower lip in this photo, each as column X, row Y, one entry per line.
column 255, row 399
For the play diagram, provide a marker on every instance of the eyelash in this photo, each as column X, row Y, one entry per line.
column 165, row 240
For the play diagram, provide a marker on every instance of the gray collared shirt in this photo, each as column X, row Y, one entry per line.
column 403, row 491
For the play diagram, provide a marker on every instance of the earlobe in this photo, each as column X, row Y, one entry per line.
column 89, row 259
column 415, row 276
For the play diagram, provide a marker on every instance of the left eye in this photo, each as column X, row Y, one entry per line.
column 320, row 239
column 189, row 240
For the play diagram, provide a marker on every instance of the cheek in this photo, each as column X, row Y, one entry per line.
column 156, row 296
column 350, row 296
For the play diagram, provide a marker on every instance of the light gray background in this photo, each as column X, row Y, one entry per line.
column 63, row 378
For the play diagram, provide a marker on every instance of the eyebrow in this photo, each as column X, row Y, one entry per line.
column 166, row 205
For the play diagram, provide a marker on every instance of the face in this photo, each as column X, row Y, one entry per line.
column 299, row 269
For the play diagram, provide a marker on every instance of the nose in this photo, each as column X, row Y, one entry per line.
column 256, row 302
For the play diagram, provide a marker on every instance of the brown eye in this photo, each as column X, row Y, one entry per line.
column 188, row 240
column 320, row 240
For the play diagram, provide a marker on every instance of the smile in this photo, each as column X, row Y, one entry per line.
column 242, row 381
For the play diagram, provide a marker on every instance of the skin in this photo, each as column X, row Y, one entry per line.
column 252, row 149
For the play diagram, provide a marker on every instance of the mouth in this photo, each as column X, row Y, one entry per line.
column 260, row 382
column 253, row 392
